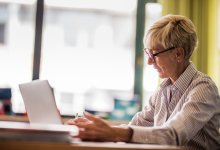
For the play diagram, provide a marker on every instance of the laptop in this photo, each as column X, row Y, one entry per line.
column 40, row 102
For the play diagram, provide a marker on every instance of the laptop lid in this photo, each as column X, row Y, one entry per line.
column 40, row 102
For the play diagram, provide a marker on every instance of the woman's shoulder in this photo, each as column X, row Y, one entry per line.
column 202, row 77
column 204, row 81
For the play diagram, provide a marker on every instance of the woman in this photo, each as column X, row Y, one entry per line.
column 184, row 111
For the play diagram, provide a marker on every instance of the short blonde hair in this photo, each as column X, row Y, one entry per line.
column 173, row 31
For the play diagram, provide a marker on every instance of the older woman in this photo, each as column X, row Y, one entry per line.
column 185, row 110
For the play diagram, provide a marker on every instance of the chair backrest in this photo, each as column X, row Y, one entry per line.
column 5, row 101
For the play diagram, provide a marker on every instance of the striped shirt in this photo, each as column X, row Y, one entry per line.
column 186, row 113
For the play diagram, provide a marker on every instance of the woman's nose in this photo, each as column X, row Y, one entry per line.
column 150, row 61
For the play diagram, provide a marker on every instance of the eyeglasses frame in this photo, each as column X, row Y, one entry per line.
column 152, row 56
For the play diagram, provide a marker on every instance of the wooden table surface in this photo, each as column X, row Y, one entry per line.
column 31, row 145
column 43, row 145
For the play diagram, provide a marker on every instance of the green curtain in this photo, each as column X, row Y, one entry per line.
column 204, row 14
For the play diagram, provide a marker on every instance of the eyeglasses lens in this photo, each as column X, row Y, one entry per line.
column 149, row 54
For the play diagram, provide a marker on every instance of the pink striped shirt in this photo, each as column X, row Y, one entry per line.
column 185, row 113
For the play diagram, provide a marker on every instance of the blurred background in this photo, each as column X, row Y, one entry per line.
column 91, row 51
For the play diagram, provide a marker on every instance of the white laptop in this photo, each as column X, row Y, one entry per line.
column 40, row 102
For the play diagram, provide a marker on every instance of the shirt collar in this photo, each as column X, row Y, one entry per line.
column 183, row 81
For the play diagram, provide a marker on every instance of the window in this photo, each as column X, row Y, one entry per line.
column 153, row 12
column 16, row 46
column 3, row 20
column 2, row 33
column 88, row 52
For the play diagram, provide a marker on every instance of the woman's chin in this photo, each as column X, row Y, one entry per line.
column 161, row 74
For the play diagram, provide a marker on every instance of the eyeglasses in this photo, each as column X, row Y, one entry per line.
column 152, row 56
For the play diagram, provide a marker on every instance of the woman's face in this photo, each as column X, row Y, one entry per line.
column 165, row 63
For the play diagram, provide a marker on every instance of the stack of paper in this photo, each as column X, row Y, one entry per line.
column 36, row 132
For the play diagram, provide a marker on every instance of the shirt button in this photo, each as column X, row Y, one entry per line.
column 173, row 88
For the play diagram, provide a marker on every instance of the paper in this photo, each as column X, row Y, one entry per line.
column 37, row 132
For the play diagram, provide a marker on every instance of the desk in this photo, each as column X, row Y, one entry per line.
column 30, row 145
column 24, row 145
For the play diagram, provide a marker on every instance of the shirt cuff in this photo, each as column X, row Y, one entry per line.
column 138, row 135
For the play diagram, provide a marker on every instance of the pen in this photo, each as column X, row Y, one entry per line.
column 77, row 115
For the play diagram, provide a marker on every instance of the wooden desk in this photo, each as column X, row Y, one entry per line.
column 30, row 145
column 13, row 118
column 22, row 145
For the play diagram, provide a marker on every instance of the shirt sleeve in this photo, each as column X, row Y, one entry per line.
column 200, row 105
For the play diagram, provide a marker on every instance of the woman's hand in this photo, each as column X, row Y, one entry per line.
column 92, row 128
column 82, row 120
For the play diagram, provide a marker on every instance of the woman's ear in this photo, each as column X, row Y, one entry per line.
column 180, row 54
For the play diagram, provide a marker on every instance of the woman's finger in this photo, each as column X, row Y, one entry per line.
column 77, row 120
column 95, row 119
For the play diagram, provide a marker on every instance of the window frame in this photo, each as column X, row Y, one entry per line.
column 140, row 27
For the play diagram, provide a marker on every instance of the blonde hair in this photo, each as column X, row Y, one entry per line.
column 173, row 31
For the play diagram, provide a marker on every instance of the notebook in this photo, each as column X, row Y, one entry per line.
column 40, row 102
